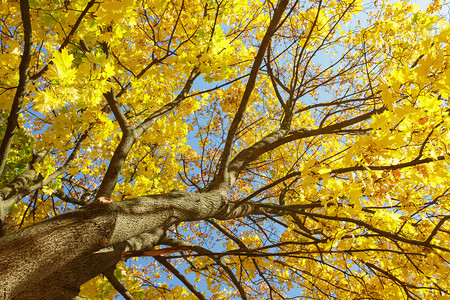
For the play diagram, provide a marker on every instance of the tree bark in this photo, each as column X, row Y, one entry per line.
column 52, row 259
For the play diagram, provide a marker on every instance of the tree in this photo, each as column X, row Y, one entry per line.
column 270, row 150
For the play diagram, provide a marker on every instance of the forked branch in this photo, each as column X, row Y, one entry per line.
column 229, row 142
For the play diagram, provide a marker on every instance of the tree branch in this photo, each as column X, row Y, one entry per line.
column 227, row 270
column 20, row 187
column 120, row 117
column 384, row 233
column 67, row 39
column 68, row 199
column 169, row 106
column 346, row 170
column 109, row 273
column 130, row 136
column 23, row 84
column 228, row 234
column 435, row 229
column 283, row 136
column 180, row 276
column 247, row 209
column 224, row 159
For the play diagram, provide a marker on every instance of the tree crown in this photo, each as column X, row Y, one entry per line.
column 272, row 150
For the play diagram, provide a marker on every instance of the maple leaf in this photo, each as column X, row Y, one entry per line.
column 253, row 150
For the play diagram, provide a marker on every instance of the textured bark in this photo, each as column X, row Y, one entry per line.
column 51, row 259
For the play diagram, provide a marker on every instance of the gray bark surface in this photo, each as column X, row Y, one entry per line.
column 51, row 259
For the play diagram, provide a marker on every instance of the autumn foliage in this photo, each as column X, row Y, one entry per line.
column 224, row 149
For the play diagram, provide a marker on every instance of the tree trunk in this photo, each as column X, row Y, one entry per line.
column 52, row 259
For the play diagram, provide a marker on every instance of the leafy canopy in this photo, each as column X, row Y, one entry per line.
column 340, row 148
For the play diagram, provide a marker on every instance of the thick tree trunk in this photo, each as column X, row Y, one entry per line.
column 51, row 259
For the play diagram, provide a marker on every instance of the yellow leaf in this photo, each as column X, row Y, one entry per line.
column 63, row 60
